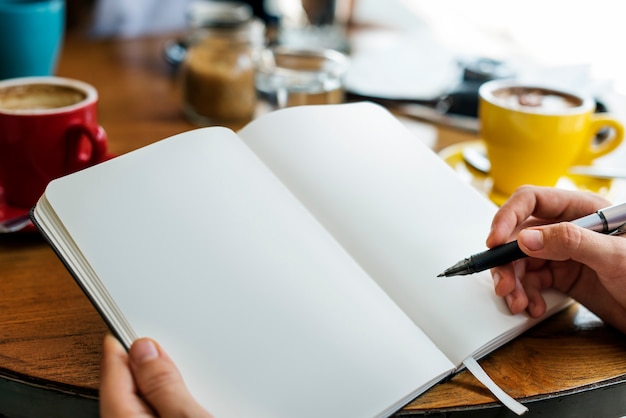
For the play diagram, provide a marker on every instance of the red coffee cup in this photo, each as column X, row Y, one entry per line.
column 48, row 128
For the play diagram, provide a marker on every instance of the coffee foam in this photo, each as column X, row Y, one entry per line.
column 536, row 99
column 39, row 97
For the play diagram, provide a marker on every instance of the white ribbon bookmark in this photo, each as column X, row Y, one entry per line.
column 478, row 372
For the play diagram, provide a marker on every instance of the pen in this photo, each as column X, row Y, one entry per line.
column 605, row 221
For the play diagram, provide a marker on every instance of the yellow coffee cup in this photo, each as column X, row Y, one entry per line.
column 534, row 133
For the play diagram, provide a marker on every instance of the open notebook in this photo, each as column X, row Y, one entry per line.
column 289, row 269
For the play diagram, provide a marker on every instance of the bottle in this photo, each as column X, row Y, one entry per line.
column 218, row 71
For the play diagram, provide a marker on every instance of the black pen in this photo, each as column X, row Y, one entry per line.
column 605, row 221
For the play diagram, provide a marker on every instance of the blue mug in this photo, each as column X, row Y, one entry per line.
column 31, row 35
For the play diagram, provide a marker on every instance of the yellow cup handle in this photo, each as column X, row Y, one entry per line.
column 599, row 122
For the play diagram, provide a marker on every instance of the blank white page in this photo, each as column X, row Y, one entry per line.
column 397, row 208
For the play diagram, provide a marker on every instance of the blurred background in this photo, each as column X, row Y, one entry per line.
column 414, row 56
column 531, row 33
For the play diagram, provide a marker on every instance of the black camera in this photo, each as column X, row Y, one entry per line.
column 462, row 99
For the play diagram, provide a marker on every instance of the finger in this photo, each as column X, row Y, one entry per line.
column 503, row 279
column 517, row 300
column 118, row 393
column 160, row 382
column 565, row 241
column 544, row 203
column 512, row 213
column 508, row 286
column 554, row 204
column 565, row 205
column 533, row 286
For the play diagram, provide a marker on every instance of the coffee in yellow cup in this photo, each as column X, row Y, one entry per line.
column 533, row 133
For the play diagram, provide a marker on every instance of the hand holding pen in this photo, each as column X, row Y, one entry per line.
column 609, row 220
column 587, row 265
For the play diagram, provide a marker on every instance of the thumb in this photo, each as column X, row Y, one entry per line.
column 564, row 241
column 160, row 382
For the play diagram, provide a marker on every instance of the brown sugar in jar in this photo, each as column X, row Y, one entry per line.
column 218, row 74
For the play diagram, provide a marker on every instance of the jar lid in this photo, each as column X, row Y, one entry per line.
column 216, row 14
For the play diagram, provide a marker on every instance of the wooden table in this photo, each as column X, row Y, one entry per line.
column 50, row 335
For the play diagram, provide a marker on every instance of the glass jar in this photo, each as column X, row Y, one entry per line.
column 219, row 67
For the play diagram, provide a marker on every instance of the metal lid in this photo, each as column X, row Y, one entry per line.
column 217, row 14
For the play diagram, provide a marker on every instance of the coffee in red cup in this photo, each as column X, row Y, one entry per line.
column 48, row 128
